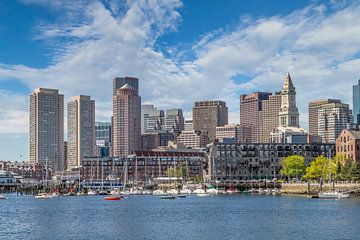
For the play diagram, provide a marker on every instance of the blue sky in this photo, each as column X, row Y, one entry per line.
column 182, row 51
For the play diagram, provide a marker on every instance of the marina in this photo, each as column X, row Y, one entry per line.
column 223, row 216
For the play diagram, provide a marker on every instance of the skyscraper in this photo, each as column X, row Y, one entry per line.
column 269, row 116
column 131, row 81
column 174, row 121
column 208, row 115
column 250, row 107
column 314, row 107
column 333, row 118
column 126, row 121
column 146, row 109
column 356, row 103
column 46, row 128
column 103, row 131
column 81, row 130
column 289, row 114
column 154, row 121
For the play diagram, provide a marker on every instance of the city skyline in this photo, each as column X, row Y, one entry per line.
column 212, row 67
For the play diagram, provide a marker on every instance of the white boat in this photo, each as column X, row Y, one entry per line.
column 185, row 191
column 42, row 196
column 158, row 192
column 201, row 193
column 173, row 192
column 212, row 191
column 2, row 197
column 115, row 192
column 333, row 195
column 275, row 191
column 91, row 192
column 267, row 191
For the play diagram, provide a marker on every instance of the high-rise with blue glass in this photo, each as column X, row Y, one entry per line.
column 356, row 103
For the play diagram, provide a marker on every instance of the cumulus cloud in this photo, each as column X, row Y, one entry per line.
column 112, row 40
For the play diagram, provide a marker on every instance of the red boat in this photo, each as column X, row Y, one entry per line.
column 113, row 198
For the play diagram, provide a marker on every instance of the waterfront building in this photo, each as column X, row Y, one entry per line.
column 188, row 125
column 26, row 170
column 314, row 107
column 193, row 139
column 257, row 160
column 332, row 119
column 126, row 121
column 144, row 166
column 81, row 130
column 7, row 179
column 269, row 116
column 356, row 103
column 207, row 115
column 348, row 145
column 232, row 132
column 289, row 135
column 250, row 107
column 289, row 114
column 146, row 109
column 154, row 121
column 103, row 131
column 174, row 121
column 46, row 128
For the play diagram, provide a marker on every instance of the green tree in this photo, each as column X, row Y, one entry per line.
column 293, row 166
column 319, row 169
column 180, row 171
column 355, row 172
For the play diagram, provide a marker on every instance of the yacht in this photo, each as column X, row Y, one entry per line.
column 201, row 192
column 333, row 195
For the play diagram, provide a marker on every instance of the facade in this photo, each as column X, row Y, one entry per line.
column 269, row 116
column 314, row 107
column 126, row 121
column 103, row 131
column 289, row 114
column 46, row 128
column 144, row 166
column 192, row 139
column 145, row 111
column 28, row 171
column 120, row 82
column 289, row 135
column 81, row 130
column 154, row 121
column 257, row 161
column 174, row 121
column 348, row 145
column 332, row 119
column 356, row 103
column 208, row 115
column 230, row 132
column 150, row 141
column 188, row 125
column 250, row 107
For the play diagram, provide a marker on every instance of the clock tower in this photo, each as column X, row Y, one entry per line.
column 289, row 114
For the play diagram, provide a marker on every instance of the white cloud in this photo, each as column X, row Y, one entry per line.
column 107, row 43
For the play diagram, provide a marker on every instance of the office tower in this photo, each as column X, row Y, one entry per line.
column 174, row 121
column 81, row 130
column 207, row 115
column 103, row 131
column 250, row 107
column 145, row 110
column 314, row 107
column 269, row 116
column 120, row 82
column 192, row 139
column 46, row 130
column 356, row 103
column 188, row 125
column 154, row 121
column 228, row 133
column 289, row 114
column 126, row 121
column 332, row 119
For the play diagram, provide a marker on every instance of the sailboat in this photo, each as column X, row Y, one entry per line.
column 332, row 194
column 44, row 195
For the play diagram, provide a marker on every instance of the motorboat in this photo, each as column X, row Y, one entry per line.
column 185, row 191
column 2, row 197
column 91, row 192
column 169, row 197
column 173, row 192
column 212, row 191
column 201, row 193
column 333, row 195
column 113, row 198
column 158, row 192
column 267, row 191
column 42, row 196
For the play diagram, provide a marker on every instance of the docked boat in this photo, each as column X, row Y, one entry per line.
column 91, row 192
column 267, row 191
column 2, row 197
column 42, row 196
column 333, row 195
column 185, row 191
column 212, row 191
column 158, row 192
column 201, row 193
column 173, row 192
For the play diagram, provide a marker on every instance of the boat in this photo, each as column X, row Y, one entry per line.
column 181, row 196
column 212, row 191
column 158, row 192
column 185, row 191
column 173, row 192
column 170, row 197
column 333, row 195
column 42, row 196
column 276, row 191
column 91, row 192
column 201, row 193
column 113, row 198
column 103, row 192
column 2, row 197
column 267, row 191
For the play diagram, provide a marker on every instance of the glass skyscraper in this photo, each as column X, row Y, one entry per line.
column 356, row 103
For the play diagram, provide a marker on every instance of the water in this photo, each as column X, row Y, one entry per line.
column 148, row 217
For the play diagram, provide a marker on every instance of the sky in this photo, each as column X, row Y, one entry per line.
column 182, row 51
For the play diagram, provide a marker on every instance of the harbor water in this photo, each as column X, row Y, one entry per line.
column 222, row 217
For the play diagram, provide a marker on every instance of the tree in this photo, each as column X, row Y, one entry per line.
column 180, row 171
column 293, row 166
column 319, row 169
column 355, row 172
